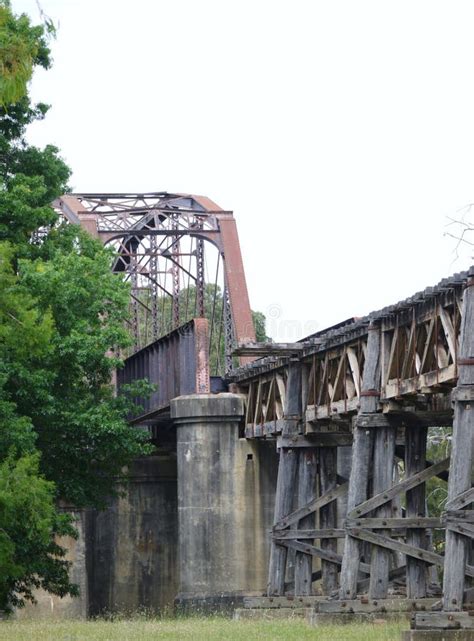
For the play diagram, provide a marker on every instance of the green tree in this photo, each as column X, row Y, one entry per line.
column 82, row 432
column 29, row 556
column 63, row 433
column 260, row 324
column 22, row 47
column 438, row 448
column 29, row 521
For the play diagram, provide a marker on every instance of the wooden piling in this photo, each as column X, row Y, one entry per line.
column 415, row 461
column 384, row 451
column 306, row 492
column 328, row 516
column 361, row 454
column 287, row 476
column 460, row 479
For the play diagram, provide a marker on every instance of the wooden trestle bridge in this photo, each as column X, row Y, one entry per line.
column 350, row 410
column 377, row 383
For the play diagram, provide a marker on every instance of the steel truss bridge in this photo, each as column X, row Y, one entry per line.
column 181, row 255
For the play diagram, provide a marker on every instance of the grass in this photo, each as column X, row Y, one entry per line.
column 194, row 629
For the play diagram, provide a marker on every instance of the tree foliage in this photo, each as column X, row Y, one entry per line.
column 29, row 556
column 63, row 433
column 438, row 448
column 22, row 47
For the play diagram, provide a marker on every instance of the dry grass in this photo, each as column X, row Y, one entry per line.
column 194, row 629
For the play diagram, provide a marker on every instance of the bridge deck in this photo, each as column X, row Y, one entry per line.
column 419, row 364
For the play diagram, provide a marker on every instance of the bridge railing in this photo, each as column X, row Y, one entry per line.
column 177, row 364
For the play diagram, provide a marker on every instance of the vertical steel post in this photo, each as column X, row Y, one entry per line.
column 154, row 288
column 228, row 330
column 200, row 282
column 175, row 271
column 135, row 292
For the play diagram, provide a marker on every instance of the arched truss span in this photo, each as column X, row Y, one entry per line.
column 181, row 255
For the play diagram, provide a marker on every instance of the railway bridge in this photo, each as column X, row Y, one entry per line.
column 285, row 474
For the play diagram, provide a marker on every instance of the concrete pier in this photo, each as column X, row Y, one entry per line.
column 225, row 502
column 132, row 555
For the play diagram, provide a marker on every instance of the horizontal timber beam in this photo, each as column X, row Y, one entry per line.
column 396, row 523
column 268, row 349
column 316, row 439
column 309, row 534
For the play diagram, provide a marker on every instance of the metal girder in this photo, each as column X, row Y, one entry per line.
column 159, row 234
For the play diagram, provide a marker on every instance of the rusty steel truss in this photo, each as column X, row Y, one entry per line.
column 181, row 255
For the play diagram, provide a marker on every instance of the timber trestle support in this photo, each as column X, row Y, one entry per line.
column 355, row 536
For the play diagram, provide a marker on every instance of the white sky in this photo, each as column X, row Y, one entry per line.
column 339, row 131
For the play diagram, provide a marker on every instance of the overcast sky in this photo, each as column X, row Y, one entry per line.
column 340, row 132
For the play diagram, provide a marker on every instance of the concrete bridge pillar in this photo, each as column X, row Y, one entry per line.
column 223, row 503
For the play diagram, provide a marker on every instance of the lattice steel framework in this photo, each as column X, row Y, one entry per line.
column 181, row 255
